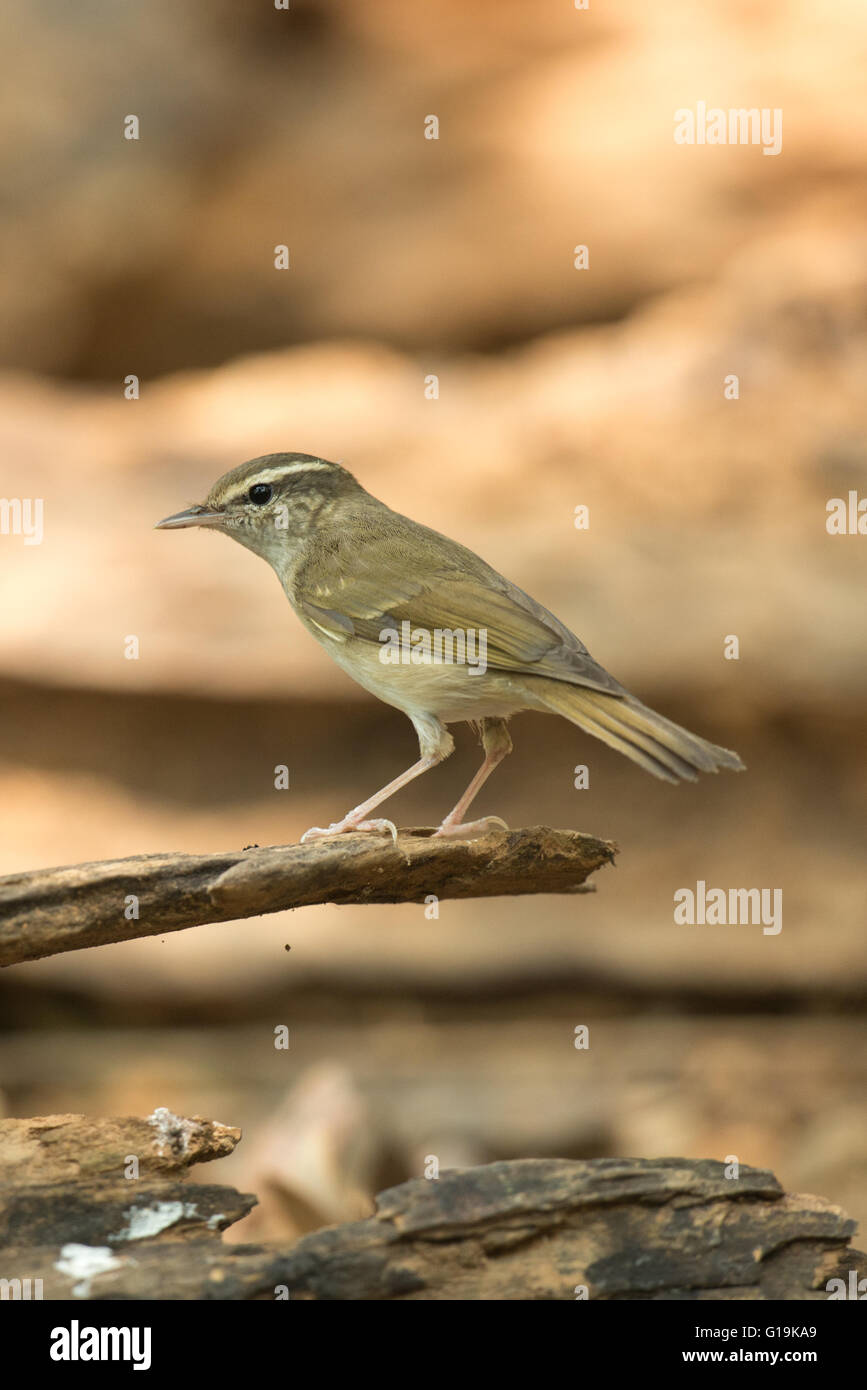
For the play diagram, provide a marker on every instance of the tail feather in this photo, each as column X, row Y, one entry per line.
column 657, row 744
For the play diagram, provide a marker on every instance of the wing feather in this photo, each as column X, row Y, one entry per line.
column 381, row 571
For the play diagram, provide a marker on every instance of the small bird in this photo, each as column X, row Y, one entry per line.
column 427, row 626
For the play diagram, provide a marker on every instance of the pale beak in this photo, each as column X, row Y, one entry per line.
column 200, row 515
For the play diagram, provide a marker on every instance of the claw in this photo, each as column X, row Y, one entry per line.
column 382, row 826
column 469, row 830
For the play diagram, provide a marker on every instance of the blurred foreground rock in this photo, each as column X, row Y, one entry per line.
column 367, row 1092
column 532, row 1229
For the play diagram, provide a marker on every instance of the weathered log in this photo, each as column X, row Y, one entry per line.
column 529, row 1229
column 53, row 910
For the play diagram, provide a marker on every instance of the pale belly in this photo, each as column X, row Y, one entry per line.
column 449, row 692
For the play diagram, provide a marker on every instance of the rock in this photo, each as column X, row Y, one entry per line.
column 534, row 1228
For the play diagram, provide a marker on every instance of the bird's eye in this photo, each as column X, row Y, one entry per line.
column 260, row 493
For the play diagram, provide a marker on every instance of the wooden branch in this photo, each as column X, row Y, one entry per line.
column 72, row 1216
column 53, row 910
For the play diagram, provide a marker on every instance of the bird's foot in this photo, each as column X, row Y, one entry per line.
column 470, row 829
column 349, row 827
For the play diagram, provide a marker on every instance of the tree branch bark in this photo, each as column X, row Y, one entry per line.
column 54, row 910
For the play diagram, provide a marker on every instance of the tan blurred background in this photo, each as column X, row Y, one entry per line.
column 557, row 387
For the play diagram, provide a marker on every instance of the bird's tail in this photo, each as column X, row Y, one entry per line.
column 649, row 739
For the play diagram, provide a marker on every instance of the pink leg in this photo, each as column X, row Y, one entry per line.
column 357, row 818
column 497, row 743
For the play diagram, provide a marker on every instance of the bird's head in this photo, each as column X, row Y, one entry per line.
column 270, row 503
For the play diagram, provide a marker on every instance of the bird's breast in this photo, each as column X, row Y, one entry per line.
column 453, row 691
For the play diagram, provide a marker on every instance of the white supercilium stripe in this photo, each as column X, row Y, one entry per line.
column 273, row 475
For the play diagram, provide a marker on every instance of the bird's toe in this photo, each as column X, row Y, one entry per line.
column 469, row 830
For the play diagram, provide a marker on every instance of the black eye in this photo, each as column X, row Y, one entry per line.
column 260, row 493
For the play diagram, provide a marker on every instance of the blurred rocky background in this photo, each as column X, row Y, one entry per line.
column 452, row 258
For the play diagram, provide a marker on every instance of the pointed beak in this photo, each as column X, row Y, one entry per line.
column 200, row 515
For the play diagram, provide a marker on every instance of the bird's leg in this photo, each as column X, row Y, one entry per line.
column 435, row 744
column 357, row 818
column 496, row 743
